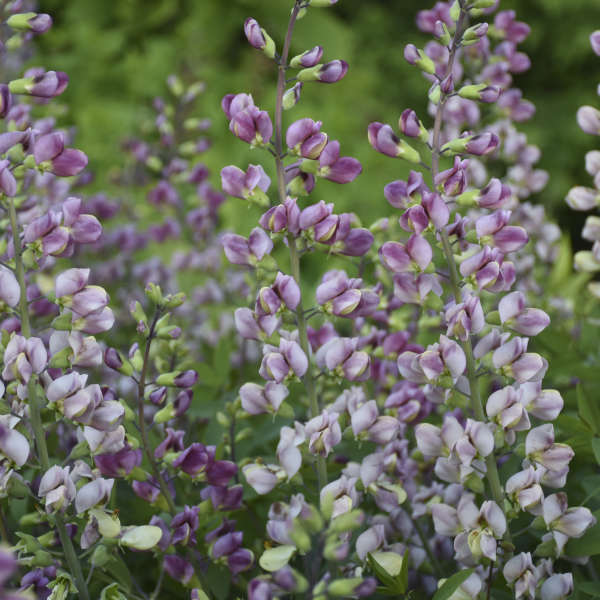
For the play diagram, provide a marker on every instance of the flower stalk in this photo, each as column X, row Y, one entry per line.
column 35, row 409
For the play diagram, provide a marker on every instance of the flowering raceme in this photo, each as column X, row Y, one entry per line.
column 332, row 409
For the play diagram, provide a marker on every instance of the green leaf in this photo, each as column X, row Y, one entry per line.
column 591, row 588
column 596, row 448
column 118, row 570
column 452, row 584
column 571, row 425
column 563, row 265
column 274, row 559
column 222, row 362
column 588, row 410
column 390, row 568
column 112, row 592
column 207, row 375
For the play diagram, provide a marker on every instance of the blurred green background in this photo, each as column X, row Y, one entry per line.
column 119, row 53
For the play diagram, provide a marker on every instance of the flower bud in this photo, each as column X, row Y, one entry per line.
column 259, row 38
column 582, row 198
column 34, row 22
column 384, row 140
column 45, row 84
column 418, row 58
column 411, row 126
column 481, row 92
column 309, row 58
column 330, row 72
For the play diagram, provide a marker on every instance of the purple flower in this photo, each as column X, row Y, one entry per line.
column 251, row 185
column 24, row 357
column 454, row 180
column 184, row 526
column 304, row 138
column 411, row 126
column 5, row 100
column 118, row 464
column 254, row 34
column 163, row 193
column 64, row 162
column 242, row 251
column 178, row 568
column 8, row 183
column 513, row 31
column 287, row 360
column 193, row 460
column 252, row 125
column 384, row 140
column 416, row 254
column 336, row 168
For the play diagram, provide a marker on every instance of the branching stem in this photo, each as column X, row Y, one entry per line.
column 309, row 381
column 35, row 408
column 476, row 403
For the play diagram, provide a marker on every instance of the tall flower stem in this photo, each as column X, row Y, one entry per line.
column 309, row 381
column 35, row 408
column 164, row 488
column 475, row 394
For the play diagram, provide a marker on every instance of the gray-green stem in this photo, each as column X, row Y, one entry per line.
column 164, row 488
column 475, row 395
column 309, row 381
column 35, row 409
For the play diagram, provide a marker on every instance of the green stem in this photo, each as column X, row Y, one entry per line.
column 435, row 565
column 474, row 391
column 309, row 381
column 3, row 529
column 35, row 409
column 164, row 488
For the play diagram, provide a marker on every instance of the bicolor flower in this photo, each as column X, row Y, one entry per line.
column 526, row 321
column 565, row 522
column 251, row 185
column 57, row 489
column 242, row 251
column 285, row 361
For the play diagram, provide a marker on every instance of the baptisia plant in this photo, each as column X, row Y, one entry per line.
column 488, row 446
column 66, row 440
column 305, row 365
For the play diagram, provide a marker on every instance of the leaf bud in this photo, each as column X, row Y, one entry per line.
column 291, row 97
column 154, row 293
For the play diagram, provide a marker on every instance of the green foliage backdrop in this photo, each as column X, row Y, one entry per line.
column 118, row 55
